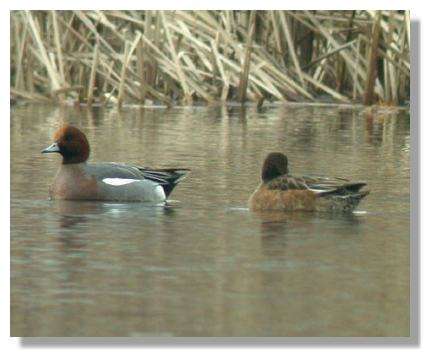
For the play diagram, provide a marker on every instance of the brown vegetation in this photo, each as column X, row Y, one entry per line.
column 183, row 57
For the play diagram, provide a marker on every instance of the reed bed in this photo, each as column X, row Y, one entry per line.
column 186, row 57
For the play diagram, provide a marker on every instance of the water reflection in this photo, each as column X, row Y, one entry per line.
column 204, row 265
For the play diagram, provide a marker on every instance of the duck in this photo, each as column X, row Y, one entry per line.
column 281, row 191
column 76, row 179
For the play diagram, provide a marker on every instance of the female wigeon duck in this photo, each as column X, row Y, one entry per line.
column 78, row 180
column 282, row 192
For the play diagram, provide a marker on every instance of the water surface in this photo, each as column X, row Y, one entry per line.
column 205, row 265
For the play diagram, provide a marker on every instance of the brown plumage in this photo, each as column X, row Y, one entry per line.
column 73, row 144
column 281, row 191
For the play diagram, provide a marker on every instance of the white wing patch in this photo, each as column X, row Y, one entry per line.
column 317, row 191
column 119, row 181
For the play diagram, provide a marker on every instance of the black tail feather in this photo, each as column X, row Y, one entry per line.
column 168, row 178
column 354, row 186
column 361, row 195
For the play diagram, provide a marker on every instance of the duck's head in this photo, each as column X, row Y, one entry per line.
column 275, row 165
column 71, row 143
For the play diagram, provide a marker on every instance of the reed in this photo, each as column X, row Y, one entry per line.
column 185, row 57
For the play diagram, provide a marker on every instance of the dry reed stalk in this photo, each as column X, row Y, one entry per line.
column 141, row 70
column 276, row 33
column 329, row 54
column 226, row 84
column 282, row 78
column 342, row 65
column 326, row 89
column 92, row 75
column 199, row 46
column 128, row 53
column 109, row 72
column 243, row 83
column 148, row 70
column 170, row 68
column 29, row 74
column 30, row 95
column 408, row 27
column 42, row 51
column 355, row 73
column 88, row 23
column 373, row 57
column 121, row 87
column 291, row 47
column 186, row 55
column 328, row 36
column 67, row 89
column 60, row 64
column 178, row 68
column 267, row 87
column 20, row 40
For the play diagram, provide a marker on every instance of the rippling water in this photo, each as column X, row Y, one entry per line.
column 205, row 265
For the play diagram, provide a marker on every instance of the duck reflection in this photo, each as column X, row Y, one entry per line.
column 275, row 227
column 75, row 217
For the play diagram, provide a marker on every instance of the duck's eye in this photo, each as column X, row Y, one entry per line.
column 68, row 138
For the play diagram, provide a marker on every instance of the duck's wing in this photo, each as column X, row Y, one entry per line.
column 119, row 174
column 113, row 170
column 318, row 184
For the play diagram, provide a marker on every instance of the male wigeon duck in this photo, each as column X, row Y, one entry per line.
column 77, row 179
column 281, row 191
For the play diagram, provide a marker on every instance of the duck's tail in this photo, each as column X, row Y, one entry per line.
column 346, row 197
column 168, row 178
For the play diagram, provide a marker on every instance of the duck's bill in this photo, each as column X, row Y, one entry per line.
column 52, row 148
